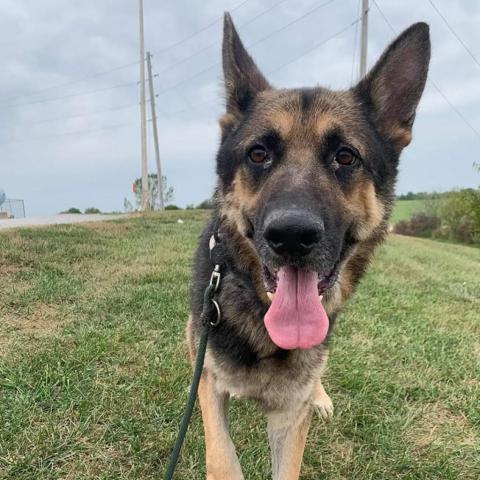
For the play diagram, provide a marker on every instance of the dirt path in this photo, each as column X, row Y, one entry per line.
column 56, row 220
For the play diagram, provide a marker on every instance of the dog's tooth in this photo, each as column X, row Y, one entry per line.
column 270, row 295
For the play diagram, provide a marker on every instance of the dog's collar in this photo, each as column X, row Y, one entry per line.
column 217, row 257
column 217, row 248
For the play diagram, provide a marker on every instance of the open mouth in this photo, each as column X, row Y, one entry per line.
column 325, row 281
column 296, row 317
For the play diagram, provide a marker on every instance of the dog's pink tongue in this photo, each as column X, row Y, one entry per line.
column 296, row 318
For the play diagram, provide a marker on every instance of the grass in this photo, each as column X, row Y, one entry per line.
column 94, row 370
column 405, row 209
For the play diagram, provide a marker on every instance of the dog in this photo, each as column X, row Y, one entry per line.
column 305, row 188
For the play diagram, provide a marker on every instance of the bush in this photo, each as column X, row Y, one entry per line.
column 92, row 210
column 450, row 216
column 172, row 207
column 190, row 206
column 420, row 225
column 72, row 210
column 205, row 205
column 460, row 213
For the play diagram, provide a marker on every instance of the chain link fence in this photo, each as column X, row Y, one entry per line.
column 12, row 208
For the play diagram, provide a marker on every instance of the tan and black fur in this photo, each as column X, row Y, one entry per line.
column 302, row 131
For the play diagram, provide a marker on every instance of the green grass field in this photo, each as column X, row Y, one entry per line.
column 405, row 209
column 94, row 370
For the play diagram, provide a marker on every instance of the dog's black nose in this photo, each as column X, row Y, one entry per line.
column 293, row 234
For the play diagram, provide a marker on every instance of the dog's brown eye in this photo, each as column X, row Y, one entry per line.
column 258, row 155
column 345, row 157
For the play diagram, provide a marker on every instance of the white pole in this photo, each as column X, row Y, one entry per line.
column 364, row 40
column 155, row 132
column 143, row 120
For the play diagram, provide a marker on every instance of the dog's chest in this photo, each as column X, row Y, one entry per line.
column 273, row 384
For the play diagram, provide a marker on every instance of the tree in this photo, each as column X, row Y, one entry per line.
column 153, row 191
column 72, row 210
column 92, row 210
column 206, row 204
column 460, row 213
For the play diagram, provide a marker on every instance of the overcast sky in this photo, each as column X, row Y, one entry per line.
column 60, row 149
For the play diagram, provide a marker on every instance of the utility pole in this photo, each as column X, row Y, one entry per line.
column 364, row 39
column 143, row 120
column 155, row 132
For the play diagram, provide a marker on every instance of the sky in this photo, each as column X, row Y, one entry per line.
column 69, row 93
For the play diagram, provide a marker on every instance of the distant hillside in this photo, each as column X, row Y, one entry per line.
column 405, row 209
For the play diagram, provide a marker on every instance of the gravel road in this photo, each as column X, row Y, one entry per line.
column 56, row 220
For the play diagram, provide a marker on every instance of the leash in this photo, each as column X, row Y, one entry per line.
column 210, row 305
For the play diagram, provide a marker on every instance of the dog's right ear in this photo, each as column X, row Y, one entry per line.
column 243, row 80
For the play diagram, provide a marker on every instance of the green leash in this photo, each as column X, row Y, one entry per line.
column 190, row 404
column 206, row 316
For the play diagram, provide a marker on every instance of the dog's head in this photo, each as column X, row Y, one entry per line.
column 307, row 174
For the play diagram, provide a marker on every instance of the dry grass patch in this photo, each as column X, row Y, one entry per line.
column 438, row 425
column 362, row 340
column 12, row 269
column 343, row 449
column 44, row 321
column 109, row 227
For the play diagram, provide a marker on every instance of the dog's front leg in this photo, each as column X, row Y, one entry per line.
column 287, row 433
column 221, row 458
column 322, row 403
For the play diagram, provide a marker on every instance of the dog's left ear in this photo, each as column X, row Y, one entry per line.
column 393, row 87
column 243, row 80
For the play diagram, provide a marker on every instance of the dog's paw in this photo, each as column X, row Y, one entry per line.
column 323, row 406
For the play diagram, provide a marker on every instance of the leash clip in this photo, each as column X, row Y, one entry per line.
column 211, row 289
column 215, row 278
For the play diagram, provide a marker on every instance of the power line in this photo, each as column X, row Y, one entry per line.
column 67, row 84
column 317, row 45
column 313, row 10
column 133, row 63
column 71, row 95
column 216, row 42
column 119, row 67
column 431, row 82
column 197, row 32
column 283, row 65
column 462, row 43
column 384, row 17
column 455, row 109
column 67, row 117
column 76, row 132
column 257, row 42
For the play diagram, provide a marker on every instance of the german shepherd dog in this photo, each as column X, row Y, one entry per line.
column 305, row 189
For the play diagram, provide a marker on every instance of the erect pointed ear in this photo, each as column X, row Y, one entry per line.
column 393, row 87
column 243, row 80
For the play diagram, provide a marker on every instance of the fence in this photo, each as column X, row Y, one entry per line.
column 14, row 208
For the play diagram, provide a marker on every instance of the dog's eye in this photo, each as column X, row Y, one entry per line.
column 345, row 156
column 258, row 154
